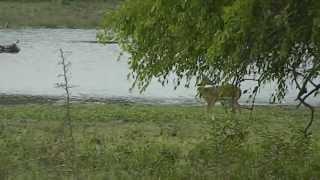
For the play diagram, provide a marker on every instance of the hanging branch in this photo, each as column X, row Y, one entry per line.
column 302, row 91
column 254, row 93
column 316, row 88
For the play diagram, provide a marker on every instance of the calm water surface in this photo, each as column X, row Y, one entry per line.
column 95, row 70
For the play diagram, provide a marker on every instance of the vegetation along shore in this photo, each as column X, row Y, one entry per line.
column 54, row 14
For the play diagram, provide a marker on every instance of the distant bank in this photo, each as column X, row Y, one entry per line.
column 54, row 13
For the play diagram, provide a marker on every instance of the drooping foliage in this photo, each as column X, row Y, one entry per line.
column 166, row 37
column 223, row 40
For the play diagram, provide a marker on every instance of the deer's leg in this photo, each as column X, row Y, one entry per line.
column 235, row 106
column 224, row 104
column 209, row 107
column 238, row 106
column 207, row 110
column 211, row 103
column 210, row 110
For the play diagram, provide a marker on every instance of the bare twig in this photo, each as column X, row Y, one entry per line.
column 67, row 121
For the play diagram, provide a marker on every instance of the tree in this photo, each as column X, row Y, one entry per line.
column 223, row 40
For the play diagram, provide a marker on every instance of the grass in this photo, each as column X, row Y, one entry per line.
column 50, row 14
column 133, row 141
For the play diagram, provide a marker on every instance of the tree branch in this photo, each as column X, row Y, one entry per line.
column 302, row 101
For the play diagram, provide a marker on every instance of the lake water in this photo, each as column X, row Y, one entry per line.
column 95, row 70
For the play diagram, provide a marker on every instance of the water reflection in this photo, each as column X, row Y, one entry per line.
column 94, row 69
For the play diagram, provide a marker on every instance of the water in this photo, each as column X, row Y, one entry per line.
column 94, row 70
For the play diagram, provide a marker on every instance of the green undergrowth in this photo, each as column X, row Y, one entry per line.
column 132, row 141
column 54, row 14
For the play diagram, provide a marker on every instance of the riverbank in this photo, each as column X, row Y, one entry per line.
column 136, row 141
column 53, row 14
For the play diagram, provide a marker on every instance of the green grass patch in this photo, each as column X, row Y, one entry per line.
column 132, row 141
column 54, row 14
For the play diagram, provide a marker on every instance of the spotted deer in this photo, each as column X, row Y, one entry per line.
column 226, row 94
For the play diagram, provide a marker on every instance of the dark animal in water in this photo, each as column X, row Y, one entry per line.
column 12, row 48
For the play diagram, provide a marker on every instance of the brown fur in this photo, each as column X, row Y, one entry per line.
column 226, row 93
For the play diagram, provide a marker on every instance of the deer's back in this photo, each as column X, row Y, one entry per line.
column 211, row 94
column 229, row 91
